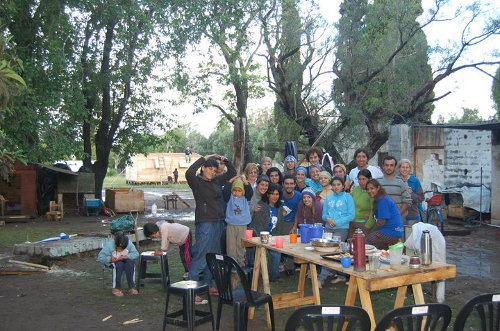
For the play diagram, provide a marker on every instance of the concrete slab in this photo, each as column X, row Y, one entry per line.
column 64, row 247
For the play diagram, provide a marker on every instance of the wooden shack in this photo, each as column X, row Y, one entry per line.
column 158, row 167
column 20, row 192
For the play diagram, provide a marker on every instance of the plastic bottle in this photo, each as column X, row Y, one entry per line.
column 153, row 209
column 358, row 250
column 426, row 248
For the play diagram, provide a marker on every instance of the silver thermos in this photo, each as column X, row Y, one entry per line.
column 426, row 247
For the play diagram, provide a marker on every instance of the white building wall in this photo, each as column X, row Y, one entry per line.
column 465, row 153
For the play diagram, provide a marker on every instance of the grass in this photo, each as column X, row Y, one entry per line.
column 118, row 181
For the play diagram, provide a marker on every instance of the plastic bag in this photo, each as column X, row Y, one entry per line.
column 124, row 223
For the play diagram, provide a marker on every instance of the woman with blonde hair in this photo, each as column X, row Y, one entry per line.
column 415, row 190
column 251, row 173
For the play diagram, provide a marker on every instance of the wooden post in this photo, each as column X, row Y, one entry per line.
column 239, row 143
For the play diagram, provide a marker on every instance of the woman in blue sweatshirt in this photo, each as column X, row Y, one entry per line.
column 338, row 212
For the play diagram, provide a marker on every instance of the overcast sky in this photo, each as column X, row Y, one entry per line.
column 469, row 88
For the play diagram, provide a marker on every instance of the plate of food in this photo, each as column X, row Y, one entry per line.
column 336, row 256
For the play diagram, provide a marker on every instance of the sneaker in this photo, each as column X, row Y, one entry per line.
column 199, row 301
column 116, row 292
column 133, row 291
column 213, row 291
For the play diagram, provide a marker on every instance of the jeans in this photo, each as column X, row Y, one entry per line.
column 343, row 237
column 274, row 264
column 119, row 267
column 207, row 240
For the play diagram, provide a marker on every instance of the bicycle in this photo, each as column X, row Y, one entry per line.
column 433, row 214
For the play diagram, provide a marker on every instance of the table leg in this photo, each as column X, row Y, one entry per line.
column 255, row 278
column 352, row 290
column 302, row 278
column 366, row 301
column 265, row 280
column 418, row 294
column 315, row 285
column 400, row 297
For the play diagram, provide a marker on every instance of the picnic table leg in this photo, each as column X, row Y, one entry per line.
column 418, row 294
column 255, row 278
column 315, row 285
column 265, row 280
column 400, row 297
column 302, row 279
column 352, row 290
column 366, row 301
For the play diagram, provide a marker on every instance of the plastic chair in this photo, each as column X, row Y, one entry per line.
column 485, row 308
column 434, row 316
column 221, row 267
column 329, row 317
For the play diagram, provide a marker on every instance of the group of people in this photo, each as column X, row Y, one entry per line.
column 266, row 199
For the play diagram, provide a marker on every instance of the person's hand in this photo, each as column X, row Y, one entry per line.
column 331, row 222
column 410, row 190
column 211, row 155
column 245, row 180
column 258, row 208
column 292, row 230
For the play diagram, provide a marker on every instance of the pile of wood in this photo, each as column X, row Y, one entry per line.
column 27, row 268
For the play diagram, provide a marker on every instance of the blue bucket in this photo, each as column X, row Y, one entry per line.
column 305, row 232
column 316, row 232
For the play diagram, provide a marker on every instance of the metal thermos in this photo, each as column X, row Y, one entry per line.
column 358, row 250
column 426, row 248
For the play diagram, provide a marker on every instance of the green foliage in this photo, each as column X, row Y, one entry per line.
column 468, row 116
column 495, row 91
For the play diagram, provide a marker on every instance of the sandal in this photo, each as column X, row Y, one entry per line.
column 133, row 291
column 117, row 292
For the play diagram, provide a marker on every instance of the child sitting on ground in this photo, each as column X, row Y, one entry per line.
column 237, row 193
column 121, row 253
column 171, row 232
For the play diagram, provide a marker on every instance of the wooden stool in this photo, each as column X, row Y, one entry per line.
column 188, row 289
column 3, row 201
column 162, row 276
column 171, row 198
column 56, row 211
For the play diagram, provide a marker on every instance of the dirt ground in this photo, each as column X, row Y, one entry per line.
column 74, row 295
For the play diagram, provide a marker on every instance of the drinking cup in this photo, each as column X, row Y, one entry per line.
column 248, row 234
column 293, row 238
column 395, row 258
column 373, row 262
column 279, row 242
column 327, row 235
column 346, row 261
column 264, row 237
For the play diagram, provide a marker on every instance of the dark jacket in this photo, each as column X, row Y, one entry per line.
column 208, row 193
column 261, row 218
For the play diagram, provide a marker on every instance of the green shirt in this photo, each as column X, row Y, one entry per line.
column 363, row 204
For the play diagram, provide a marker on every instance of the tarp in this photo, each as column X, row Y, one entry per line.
column 470, row 195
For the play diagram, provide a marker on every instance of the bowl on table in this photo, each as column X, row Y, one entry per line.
column 325, row 245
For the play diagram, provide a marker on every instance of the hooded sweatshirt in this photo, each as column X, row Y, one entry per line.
column 339, row 207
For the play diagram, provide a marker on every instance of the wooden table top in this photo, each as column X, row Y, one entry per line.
column 384, row 277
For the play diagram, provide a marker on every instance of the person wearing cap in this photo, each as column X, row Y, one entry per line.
column 237, row 194
column 290, row 165
column 209, row 213
column 309, row 210
column 300, row 179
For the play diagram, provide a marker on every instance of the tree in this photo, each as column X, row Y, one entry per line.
column 468, row 116
column 296, row 59
column 228, row 26
column 495, row 91
column 11, row 84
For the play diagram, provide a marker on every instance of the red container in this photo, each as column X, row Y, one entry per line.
column 357, row 246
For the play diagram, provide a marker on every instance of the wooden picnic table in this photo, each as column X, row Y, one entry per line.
column 360, row 282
